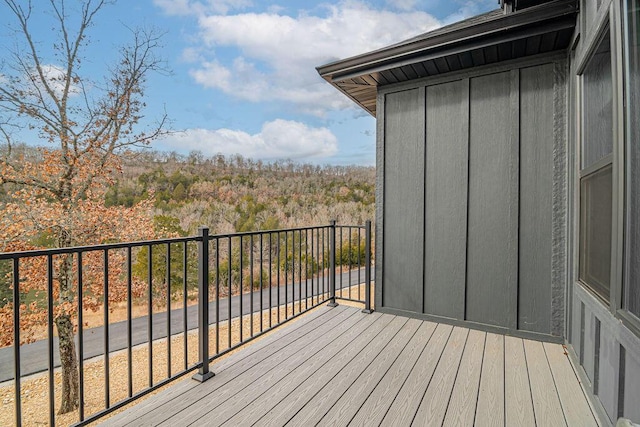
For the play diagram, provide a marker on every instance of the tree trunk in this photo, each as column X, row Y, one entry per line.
column 69, row 364
column 67, row 347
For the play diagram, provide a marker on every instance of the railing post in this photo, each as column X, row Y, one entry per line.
column 203, row 305
column 332, row 264
column 367, row 271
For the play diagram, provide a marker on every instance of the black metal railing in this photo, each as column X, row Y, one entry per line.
column 211, row 292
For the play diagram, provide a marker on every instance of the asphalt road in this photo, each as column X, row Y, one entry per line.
column 34, row 357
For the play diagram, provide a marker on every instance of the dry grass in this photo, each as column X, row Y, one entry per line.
column 35, row 390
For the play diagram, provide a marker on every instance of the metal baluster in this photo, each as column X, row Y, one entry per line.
column 261, row 284
column 293, row 274
column 340, row 260
column 217, row 295
column 241, row 288
column 107, row 396
column 81, row 338
column 229, row 306
column 270, row 278
column 129, row 326
column 286, row 278
column 300, row 271
column 251, row 283
column 312, row 269
column 278, row 270
column 52, row 409
column 359, row 263
column 16, row 339
column 350, row 282
column 185, row 325
column 168, row 310
column 150, row 314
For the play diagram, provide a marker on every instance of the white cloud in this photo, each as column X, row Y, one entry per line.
column 55, row 77
column 277, row 139
column 403, row 4
column 190, row 7
column 276, row 54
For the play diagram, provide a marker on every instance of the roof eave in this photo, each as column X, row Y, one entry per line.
column 559, row 13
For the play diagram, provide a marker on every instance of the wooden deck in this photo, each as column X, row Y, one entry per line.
column 342, row 367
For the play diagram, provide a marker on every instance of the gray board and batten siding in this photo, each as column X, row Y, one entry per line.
column 472, row 198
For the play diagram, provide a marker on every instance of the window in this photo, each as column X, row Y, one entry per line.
column 595, row 230
column 631, row 294
column 596, row 171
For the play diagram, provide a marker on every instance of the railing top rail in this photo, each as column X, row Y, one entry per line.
column 123, row 245
column 92, row 248
column 257, row 233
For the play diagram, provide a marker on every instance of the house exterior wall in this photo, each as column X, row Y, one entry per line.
column 495, row 167
column 472, row 198
column 603, row 336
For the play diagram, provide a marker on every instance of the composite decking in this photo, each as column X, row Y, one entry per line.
column 338, row 366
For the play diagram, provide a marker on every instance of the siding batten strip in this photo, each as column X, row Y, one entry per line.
column 466, row 241
column 621, row 380
column 514, row 202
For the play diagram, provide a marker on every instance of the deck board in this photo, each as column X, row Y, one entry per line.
column 239, row 379
column 275, row 341
column 378, row 402
column 408, row 400
column 332, row 390
column 353, row 398
column 338, row 367
column 303, row 392
column 462, row 405
column 517, row 395
column 490, row 406
column 574, row 405
column 546, row 403
column 266, row 400
column 434, row 403
column 217, row 409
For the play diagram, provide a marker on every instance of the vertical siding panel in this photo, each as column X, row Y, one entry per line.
column 632, row 386
column 446, row 198
column 404, row 200
column 609, row 361
column 589, row 345
column 576, row 323
column 536, row 185
column 493, row 203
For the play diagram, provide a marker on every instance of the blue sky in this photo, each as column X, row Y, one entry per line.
column 243, row 76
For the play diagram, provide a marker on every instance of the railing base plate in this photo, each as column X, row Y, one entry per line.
column 203, row 377
column 332, row 304
column 367, row 311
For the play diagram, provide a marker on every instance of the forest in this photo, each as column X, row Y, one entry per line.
column 168, row 195
column 235, row 194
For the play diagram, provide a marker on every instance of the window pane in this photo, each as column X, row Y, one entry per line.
column 598, row 99
column 632, row 78
column 595, row 231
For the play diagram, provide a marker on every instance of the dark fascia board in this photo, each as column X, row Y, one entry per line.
column 452, row 49
column 499, row 24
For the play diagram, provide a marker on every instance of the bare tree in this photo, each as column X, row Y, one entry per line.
column 85, row 123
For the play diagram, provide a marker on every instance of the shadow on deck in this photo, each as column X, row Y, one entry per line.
column 338, row 366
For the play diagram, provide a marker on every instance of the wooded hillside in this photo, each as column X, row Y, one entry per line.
column 236, row 194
